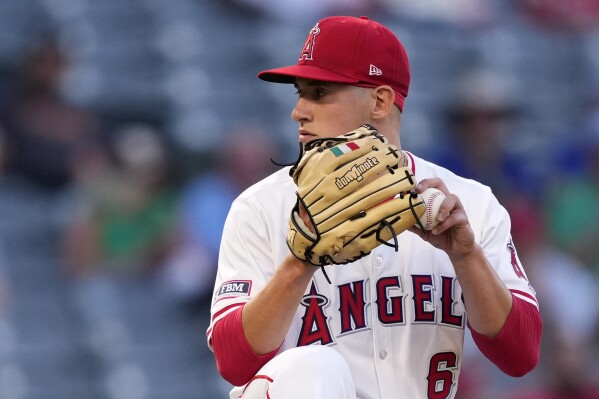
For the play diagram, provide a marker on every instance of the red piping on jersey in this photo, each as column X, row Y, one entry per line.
column 225, row 297
column 226, row 308
column 527, row 295
column 412, row 162
column 257, row 377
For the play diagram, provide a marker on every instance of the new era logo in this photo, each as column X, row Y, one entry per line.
column 375, row 71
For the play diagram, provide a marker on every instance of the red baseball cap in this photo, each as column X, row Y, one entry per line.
column 356, row 51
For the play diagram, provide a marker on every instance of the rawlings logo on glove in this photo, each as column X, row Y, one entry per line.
column 355, row 195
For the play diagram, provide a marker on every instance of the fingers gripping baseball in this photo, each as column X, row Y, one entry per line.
column 452, row 232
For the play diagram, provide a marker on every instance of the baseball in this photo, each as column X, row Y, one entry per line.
column 433, row 199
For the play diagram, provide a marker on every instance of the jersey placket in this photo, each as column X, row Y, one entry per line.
column 382, row 335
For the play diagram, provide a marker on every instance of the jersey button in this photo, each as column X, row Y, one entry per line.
column 378, row 261
column 383, row 354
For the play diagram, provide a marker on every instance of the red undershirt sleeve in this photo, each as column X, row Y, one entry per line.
column 236, row 361
column 515, row 350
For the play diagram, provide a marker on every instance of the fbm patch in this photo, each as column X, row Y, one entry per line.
column 234, row 288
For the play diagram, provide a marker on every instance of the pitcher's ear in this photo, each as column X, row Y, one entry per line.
column 385, row 101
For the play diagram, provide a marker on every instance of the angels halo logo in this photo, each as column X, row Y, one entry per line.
column 308, row 49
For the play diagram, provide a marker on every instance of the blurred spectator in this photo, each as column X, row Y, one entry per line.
column 559, row 15
column 127, row 210
column 481, row 121
column 569, row 374
column 42, row 129
column 570, row 307
column 573, row 204
column 119, row 234
column 205, row 201
column 565, row 286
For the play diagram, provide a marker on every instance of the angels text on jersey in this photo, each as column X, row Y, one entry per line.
column 423, row 299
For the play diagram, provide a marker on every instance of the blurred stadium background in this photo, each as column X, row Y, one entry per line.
column 128, row 126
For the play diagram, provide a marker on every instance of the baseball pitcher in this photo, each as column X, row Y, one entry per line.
column 329, row 285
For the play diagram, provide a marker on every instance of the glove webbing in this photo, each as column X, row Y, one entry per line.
column 382, row 225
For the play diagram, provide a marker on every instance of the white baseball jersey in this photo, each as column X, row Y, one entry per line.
column 396, row 317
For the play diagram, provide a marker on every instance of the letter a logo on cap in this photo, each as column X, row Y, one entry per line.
column 309, row 45
column 375, row 71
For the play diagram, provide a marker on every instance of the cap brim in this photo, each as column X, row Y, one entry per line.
column 290, row 73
